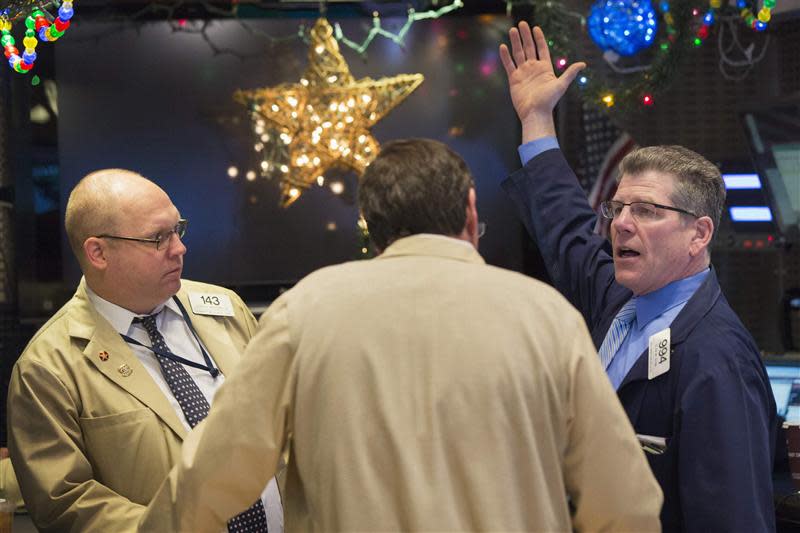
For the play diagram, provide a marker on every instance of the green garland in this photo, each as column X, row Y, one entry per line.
column 620, row 92
column 16, row 9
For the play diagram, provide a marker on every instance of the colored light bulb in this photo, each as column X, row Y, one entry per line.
column 61, row 25
column 65, row 12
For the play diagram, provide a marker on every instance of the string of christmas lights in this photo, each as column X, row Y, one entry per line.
column 398, row 37
column 40, row 24
column 757, row 22
column 633, row 82
column 636, row 82
column 737, row 56
column 171, row 11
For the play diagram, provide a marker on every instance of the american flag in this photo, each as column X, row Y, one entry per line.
column 606, row 183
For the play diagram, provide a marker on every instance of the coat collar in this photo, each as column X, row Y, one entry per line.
column 433, row 245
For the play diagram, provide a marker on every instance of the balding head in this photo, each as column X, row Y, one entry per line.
column 99, row 203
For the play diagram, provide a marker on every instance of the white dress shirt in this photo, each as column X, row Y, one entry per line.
column 182, row 342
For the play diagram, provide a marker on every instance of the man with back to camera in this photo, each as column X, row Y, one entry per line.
column 102, row 397
column 684, row 366
column 416, row 390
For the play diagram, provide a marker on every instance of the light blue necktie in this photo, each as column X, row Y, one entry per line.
column 617, row 332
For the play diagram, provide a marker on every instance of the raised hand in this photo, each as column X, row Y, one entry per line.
column 534, row 87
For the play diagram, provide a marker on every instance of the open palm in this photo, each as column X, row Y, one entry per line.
column 534, row 87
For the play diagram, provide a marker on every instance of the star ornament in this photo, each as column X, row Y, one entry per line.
column 324, row 120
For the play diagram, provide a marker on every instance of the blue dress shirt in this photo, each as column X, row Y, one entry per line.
column 655, row 311
column 531, row 149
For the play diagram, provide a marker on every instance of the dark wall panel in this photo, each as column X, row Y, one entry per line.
column 160, row 102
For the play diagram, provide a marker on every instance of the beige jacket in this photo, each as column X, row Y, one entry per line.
column 91, row 443
column 421, row 390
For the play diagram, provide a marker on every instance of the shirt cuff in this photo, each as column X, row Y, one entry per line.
column 531, row 149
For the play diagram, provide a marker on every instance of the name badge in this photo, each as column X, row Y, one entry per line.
column 210, row 303
column 658, row 354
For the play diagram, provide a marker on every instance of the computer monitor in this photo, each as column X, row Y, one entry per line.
column 747, row 206
column 784, row 377
column 773, row 136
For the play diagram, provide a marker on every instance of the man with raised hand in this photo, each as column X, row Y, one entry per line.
column 686, row 370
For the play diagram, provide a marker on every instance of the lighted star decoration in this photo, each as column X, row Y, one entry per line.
column 324, row 120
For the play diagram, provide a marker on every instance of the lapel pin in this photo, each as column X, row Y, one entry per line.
column 104, row 355
column 125, row 370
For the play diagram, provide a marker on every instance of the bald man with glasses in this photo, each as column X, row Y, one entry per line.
column 103, row 396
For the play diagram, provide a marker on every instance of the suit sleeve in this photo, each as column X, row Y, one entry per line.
column 221, row 472
column 606, row 473
column 49, row 456
column 724, row 448
column 554, row 209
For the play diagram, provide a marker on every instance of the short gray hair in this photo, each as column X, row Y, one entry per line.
column 699, row 187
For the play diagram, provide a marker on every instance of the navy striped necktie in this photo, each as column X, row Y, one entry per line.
column 195, row 408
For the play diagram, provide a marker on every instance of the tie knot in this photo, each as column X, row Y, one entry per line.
column 148, row 321
column 628, row 311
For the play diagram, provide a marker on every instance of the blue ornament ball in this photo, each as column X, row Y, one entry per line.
column 624, row 26
column 65, row 12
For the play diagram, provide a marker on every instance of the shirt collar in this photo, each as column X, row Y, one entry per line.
column 653, row 304
column 120, row 318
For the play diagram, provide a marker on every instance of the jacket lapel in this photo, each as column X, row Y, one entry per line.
column 121, row 365
column 214, row 337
